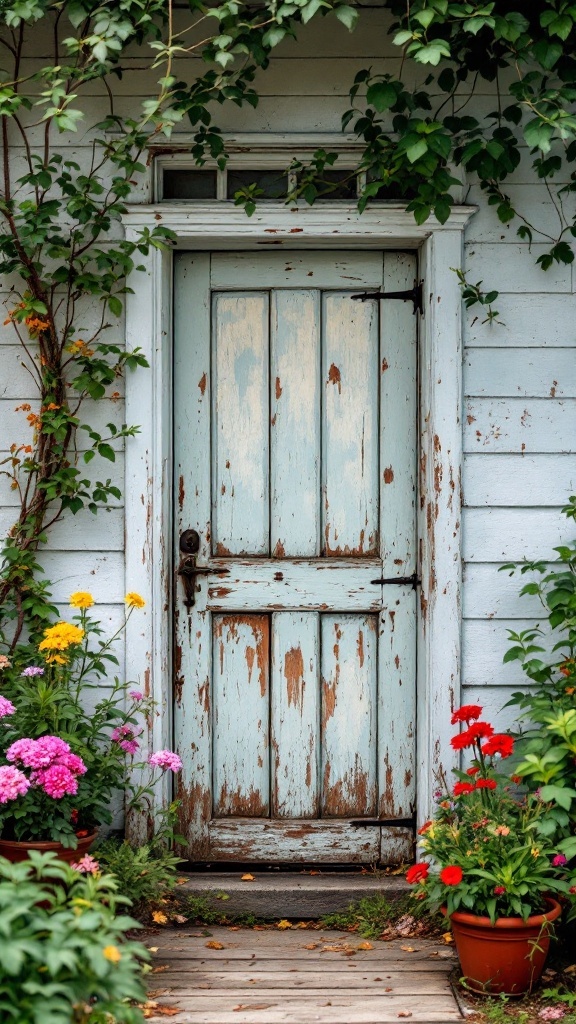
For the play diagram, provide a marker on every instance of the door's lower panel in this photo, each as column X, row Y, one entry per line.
column 310, row 842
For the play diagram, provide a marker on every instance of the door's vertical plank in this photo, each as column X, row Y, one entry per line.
column 241, row 682
column 349, row 714
column 240, row 483
column 397, row 702
column 398, row 441
column 295, row 423
column 193, row 635
column 350, row 425
column 295, row 715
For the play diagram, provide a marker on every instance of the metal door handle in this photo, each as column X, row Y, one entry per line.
column 188, row 570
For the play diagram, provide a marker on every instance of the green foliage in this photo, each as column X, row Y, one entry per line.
column 548, row 746
column 64, row 955
column 372, row 915
column 145, row 874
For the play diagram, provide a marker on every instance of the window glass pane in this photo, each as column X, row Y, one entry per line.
column 274, row 184
column 392, row 192
column 189, row 184
column 344, row 182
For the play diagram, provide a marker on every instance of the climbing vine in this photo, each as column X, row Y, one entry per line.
column 62, row 253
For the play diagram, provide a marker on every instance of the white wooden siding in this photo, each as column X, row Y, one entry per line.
column 520, row 376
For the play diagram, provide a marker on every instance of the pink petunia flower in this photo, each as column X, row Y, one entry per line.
column 87, row 865
column 136, row 694
column 13, row 783
column 165, row 759
column 559, row 860
column 57, row 781
column 6, row 707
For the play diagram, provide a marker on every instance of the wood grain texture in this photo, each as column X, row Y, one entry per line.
column 295, row 584
column 520, row 373
column 295, row 715
column 240, row 487
column 518, row 481
column 519, row 425
column 350, row 445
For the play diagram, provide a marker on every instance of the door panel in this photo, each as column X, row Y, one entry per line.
column 295, row 440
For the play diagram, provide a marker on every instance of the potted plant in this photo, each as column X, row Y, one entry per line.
column 65, row 736
column 492, row 870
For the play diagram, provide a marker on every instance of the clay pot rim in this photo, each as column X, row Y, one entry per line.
column 46, row 844
column 464, row 917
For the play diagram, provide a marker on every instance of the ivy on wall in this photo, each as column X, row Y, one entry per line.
column 60, row 249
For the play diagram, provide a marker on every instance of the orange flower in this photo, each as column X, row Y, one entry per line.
column 51, row 407
column 25, row 407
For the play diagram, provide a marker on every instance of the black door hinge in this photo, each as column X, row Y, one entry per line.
column 399, row 581
column 414, row 295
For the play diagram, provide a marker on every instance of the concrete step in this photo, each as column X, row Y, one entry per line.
column 291, row 895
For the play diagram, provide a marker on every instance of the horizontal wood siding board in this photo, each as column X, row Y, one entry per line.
column 520, row 373
column 484, row 643
column 490, row 594
column 538, row 320
column 300, row 841
column 519, row 425
column 510, row 534
column 520, row 272
column 518, row 480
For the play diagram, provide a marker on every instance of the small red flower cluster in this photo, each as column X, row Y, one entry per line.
column 463, row 788
column 417, row 873
column 451, row 875
column 495, row 743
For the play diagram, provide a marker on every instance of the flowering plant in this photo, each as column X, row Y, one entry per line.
column 488, row 851
column 63, row 755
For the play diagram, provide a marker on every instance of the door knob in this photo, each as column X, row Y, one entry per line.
column 188, row 570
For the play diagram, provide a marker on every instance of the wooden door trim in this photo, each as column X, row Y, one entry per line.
column 148, row 503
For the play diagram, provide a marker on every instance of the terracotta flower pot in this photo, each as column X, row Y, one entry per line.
column 506, row 957
column 15, row 852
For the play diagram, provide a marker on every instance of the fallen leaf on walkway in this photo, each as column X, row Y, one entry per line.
column 247, row 878
column 159, row 917
column 162, row 967
column 181, row 881
column 179, row 918
column 213, row 944
column 153, row 949
column 151, row 1009
column 405, row 1013
column 388, row 989
column 408, row 949
column 570, row 970
column 258, row 1006
column 311, row 945
column 365, row 945
column 448, row 937
column 284, row 924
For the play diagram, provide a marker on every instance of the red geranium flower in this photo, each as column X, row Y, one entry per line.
column 463, row 787
column 486, row 784
column 417, row 873
column 480, row 730
column 451, row 875
column 462, row 740
column 467, row 713
column 473, row 770
column 500, row 743
column 517, row 779
column 424, row 828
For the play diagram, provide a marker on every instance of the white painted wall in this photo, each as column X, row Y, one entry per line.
column 519, row 429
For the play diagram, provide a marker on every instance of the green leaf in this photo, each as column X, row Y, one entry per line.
column 347, row 15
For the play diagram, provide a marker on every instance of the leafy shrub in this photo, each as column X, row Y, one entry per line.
column 64, row 956
column 144, row 874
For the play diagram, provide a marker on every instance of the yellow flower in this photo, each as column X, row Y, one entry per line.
column 535, row 851
column 81, row 599
column 159, row 917
column 134, row 600
column 60, row 637
column 112, row 953
column 56, row 659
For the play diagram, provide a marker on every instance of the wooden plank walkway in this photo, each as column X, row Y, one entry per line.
column 298, row 976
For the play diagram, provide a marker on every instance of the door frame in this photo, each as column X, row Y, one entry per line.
column 148, row 479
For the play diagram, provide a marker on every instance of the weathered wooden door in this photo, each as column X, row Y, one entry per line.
column 295, row 452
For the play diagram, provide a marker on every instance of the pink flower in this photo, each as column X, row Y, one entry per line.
column 13, row 783
column 87, row 865
column 57, row 781
column 559, row 860
column 136, row 694
column 6, row 707
column 74, row 763
column 165, row 759
column 126, row 737
column 33, row 670
column 4, row 662
column 551, row 1013
column 37, row 753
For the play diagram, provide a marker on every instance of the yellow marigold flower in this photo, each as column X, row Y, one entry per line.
column 56, row 659
column 134, row 600
column 112, row 953
column 60, row 637
column 81, row 599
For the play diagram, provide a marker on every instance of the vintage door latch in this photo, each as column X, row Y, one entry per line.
column 188, row 570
